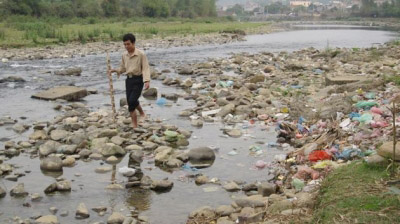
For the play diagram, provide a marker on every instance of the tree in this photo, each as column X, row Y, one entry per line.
column 110, row 7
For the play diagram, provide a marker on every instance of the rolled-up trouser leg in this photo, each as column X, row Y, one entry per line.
column 134, row 87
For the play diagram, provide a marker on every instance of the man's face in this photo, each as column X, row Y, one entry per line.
column 129, row 46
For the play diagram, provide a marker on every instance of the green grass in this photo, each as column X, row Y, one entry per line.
column 393, row 78
column 29, row 32
column 356, row 194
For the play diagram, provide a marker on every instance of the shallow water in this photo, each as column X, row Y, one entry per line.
column 185, row 196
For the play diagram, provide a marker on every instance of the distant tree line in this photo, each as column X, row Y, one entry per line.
column 370, row 9
column 109, row 8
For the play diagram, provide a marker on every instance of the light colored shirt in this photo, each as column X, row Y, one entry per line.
column 135, row 64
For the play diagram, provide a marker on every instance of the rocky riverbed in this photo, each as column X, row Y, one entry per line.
column 326, row 107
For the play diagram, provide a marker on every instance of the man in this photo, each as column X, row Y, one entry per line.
column 136, row 67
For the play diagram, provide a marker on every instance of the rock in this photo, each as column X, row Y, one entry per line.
column 123, row 102
column 38, row 135
column 103, row 169
column 69, row 72
column 69, row 93
column 67, row 149
column 52, row 163
column 99, row 209
column 224, row 220
column 161, row 185
column 257, row 79
column 11, row 177
column 48, row 148
column 182, row 142
column 224, row 210
column 18, row 191
column 375, row 159
column 231, row 187
column 116, row 218
column 112, row 160
column 235, row 133
column 227, row 109
column 64, row 213
column 279, row 206
column 269, row 69
column 12, row 79
column 19, row 128
column 304, row 200
column 85, row 153
column 201, row 154
column 118, row 140
column 47, row 219
column 205, row 212
column 249, row 202
column 342, row 79
column 291, row 212
column 197, row 123
column 63, row 185
column 53, row 210
column 162, row 154
column 82, row 212
column 36, row 197
column 266, row 189
column 110, row 149
column 133, row 148
column 386, row 150
column 68, row 162
column 58, row 135
column 96, row 156
column 150, row 93
column 185, row 70
column 3, row 193
column 174, row 163
column 108, row 133
column 200, row 180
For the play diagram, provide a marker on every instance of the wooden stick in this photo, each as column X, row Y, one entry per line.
column 111, row 87
column 394, row 136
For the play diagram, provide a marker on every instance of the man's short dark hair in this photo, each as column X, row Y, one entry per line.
column 130, row 37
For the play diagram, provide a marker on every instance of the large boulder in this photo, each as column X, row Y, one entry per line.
column 69, row 93
column 51, row 163
column 386, row 150
column 48, row 148
column 201, row 154
column 69, row 72
column 150, row 93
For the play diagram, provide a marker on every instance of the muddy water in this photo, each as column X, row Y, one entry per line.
column 172, row 207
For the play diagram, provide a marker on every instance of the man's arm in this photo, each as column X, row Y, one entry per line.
column 146, row 72
column 121, row 69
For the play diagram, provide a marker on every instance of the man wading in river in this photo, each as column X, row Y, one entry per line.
column 136, row 67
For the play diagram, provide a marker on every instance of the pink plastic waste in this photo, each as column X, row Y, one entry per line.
column 376, row 110
column 260, row 164
column 305, row 172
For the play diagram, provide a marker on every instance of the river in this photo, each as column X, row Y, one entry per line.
column 172, row 207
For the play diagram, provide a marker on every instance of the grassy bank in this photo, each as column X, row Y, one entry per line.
column 357, row 194
column 29, row 32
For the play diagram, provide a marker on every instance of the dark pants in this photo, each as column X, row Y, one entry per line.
column 134, row 87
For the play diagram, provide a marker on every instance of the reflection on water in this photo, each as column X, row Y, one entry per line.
column 139, row 199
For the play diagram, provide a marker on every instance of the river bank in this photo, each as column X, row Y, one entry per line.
column 229, row 109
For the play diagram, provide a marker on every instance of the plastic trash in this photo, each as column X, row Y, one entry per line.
column 284, row 110
column 301, row 120
column 223, row 84
column 229, row 83
column 376, row 110
column 350, row 153
column 318, row 71
column 273, row 144
column 232, row 153
column 298, row 184
column 354, row 114
column 365, row 118
column 370, row 95
column 126, row 171
column 161, row 101
column 305, row 172
column 366, row 105
column 346, row 122
column 189, row 168
column 280, row 157
column 260, row 164
column 296, row 86
column 318, row 155
column 322, row 164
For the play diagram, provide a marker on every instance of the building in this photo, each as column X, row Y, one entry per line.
column 300, row 3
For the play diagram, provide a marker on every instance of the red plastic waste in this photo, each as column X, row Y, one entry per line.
column 318, row 155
